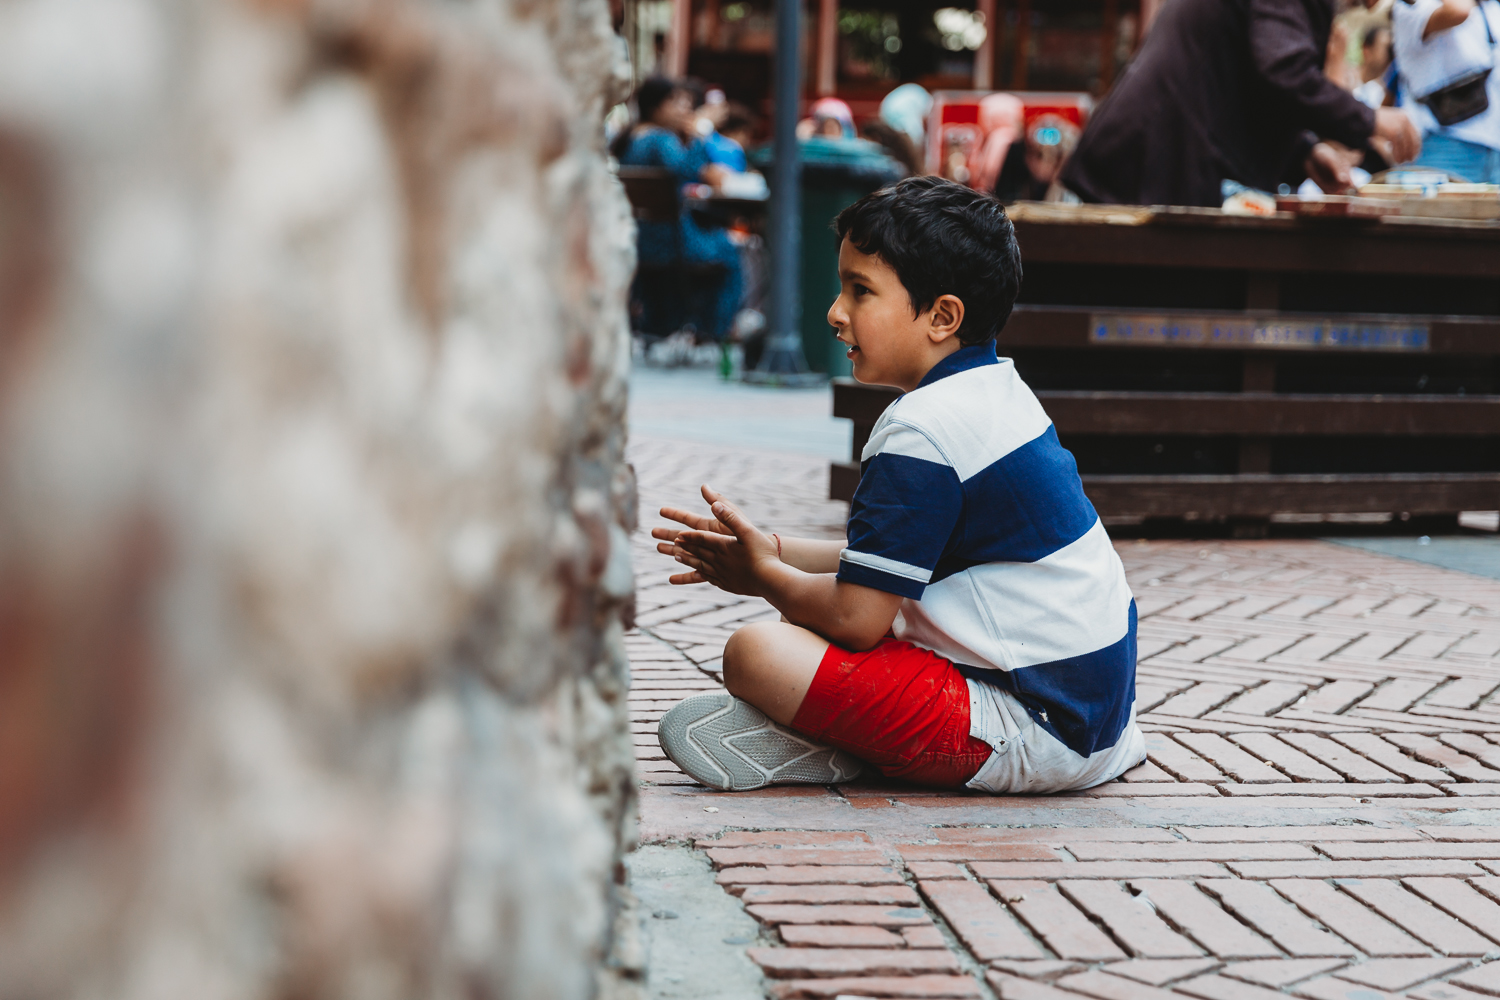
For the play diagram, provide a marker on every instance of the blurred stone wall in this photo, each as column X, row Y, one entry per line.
column 313, row 511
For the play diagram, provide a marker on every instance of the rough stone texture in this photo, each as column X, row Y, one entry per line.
column 313, row 514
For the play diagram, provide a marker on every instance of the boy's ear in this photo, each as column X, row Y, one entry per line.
column 945, row 317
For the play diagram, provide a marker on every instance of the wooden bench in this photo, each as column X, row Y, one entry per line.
column 688, row 287
column 1211, row 368
column 652, row 192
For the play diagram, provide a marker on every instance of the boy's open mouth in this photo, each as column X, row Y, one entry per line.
column 852, row 351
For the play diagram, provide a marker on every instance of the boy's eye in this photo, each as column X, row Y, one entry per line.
column 860, row 290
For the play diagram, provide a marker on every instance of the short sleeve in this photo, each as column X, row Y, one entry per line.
column 1408, row 21
column 1432, row 63
column 907, row 506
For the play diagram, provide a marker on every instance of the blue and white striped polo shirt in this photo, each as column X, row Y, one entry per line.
column 970, row 509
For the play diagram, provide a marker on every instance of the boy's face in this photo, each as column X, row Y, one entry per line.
column 887, row 345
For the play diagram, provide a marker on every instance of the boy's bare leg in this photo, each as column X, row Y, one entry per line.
column 740, row 738
column 771, row 665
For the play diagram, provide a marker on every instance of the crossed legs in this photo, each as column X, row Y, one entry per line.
column 741, row 742
column 771, row 665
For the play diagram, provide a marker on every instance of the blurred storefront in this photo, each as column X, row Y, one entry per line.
column 860, row 53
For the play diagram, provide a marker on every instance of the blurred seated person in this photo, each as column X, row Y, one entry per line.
column 733, row 134
column 1031, row 169
column 906, row 109
column 1351, row 32
column 1374, row 66
column 896, row 144
column 830, row 118
column 709, row 119
column 1229, row 91
column 665, row 135
column 1375, row 53
column 1002, row 119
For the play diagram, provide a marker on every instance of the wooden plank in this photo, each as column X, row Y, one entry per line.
column 843, row 480
column 862, row 404
column 1045, row 326
column 1188, row 241
column 1266, row 414
column 1269, row 414
column 1260, row 495
column 1068, row 326
column 1464, row 336
column 1264, row 495
column 652, row 192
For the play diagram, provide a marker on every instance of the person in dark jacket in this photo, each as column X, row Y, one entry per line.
column 1229, row 90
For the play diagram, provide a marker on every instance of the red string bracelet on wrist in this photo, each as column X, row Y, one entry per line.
column 778, row 544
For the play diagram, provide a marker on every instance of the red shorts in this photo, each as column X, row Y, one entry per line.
column 902, row 708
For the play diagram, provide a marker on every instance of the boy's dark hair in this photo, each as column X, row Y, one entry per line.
column 942, row 238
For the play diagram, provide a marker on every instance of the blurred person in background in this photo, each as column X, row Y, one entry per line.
column 896, row 144
column 1229, row 90
column 1375, row 53
column 1445, row 55
column 1002, row 119
column 734, row 135
column 1347, row 44
column 1032, row 169
column 829, row 118
column 906, row 108
column 1375, row 66
column 665, row 134
column 709, row 119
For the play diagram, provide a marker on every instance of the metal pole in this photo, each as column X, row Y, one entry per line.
column 783, row 361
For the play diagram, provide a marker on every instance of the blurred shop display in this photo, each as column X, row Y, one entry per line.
column 862, row 53
column 961, row 126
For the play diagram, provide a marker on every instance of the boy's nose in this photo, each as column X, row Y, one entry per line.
column 837, row 318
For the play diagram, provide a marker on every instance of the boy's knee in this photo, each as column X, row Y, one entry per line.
column 744, row 653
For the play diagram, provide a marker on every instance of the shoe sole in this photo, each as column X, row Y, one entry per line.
column 729, row 744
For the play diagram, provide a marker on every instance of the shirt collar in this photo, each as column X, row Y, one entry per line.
column 961, row 360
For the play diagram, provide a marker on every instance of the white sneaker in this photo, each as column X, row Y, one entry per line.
column 731, row 745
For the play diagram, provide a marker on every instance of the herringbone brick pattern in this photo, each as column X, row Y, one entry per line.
column 1280, row 667
column 1214, row 913
column 1273, row 675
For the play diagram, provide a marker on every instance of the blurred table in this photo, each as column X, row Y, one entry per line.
column 1228, row 369
column 723, row 210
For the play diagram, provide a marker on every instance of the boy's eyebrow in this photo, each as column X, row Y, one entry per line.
column 853, row 275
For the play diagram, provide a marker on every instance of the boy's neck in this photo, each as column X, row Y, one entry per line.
column 936, row 355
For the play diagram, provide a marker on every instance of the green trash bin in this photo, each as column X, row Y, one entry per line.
column 835, row 174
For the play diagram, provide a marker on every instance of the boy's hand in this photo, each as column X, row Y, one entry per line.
column 695, row 522
column 732, row 562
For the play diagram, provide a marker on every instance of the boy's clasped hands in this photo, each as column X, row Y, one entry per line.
column 725, row 550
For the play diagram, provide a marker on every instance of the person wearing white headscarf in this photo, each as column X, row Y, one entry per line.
column 830, row 118
column 906, row 108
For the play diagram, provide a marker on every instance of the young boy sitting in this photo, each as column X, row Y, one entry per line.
column 977, row 629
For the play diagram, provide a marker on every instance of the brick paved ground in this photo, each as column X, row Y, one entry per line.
column 1319, row 816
